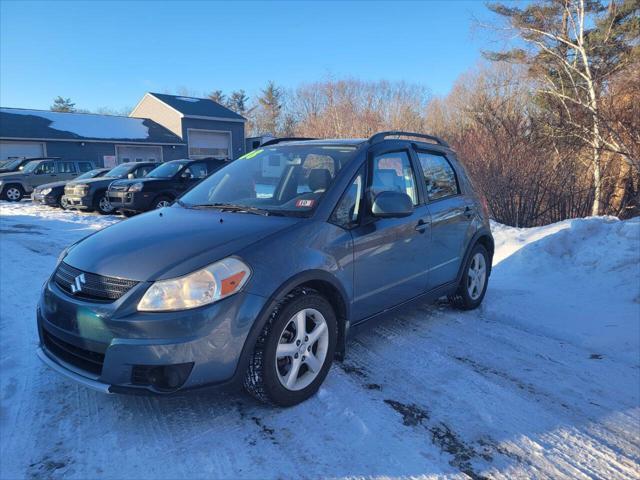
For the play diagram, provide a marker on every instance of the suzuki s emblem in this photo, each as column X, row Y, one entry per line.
column 76, row 286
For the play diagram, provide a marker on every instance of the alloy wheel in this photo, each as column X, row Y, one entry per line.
column 163, row 203
column 302, row 349
column 476, row 276
column 104, row 205
column 13, row 194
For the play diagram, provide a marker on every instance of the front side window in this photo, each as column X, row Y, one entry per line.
column 143, row 171
column 195, row 171
column 393, row 172
column 66, row 167
column 439, row 176
column 39, row 168
column 294, row 185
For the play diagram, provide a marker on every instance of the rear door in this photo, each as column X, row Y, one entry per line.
column 451, row 216
column 390, row 264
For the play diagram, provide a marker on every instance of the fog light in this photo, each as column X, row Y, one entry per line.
column 161, row 377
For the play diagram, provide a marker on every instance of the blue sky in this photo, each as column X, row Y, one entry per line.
column 110, row 53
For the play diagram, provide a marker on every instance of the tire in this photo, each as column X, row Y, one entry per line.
column 470, row 293
column 12, row 193
column 161, row 202
column 63, row 203
column 102, row 205
column 268, row 370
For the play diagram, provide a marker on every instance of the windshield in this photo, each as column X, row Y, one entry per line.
column 119, row 171
column 11, row 164
column 30, row 167
column 89, row 174
column 166, row 170
column 285, row 180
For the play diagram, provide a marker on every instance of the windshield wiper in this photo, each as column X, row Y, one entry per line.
column 229, row 207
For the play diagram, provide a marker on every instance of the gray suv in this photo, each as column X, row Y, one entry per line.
column 257, row 275
column 15, row 185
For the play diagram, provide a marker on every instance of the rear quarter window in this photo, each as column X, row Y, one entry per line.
column 440, row 177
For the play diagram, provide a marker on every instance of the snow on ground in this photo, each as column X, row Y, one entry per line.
column 542, row 381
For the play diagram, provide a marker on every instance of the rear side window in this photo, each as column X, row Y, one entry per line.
column 439, row 176
column 84, row 166
column 66, row 167
column 393, row 172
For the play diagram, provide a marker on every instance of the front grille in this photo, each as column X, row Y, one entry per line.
column 95, row 287
column 81, row 358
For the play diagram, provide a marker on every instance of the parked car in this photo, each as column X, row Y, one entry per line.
column 52, row 194
column 92, row 194
column 161, row 186
column 15, row 185
column 17, row 164
column 238, row 283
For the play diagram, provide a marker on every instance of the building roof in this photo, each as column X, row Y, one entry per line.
column 19, row 123
column 198, row 107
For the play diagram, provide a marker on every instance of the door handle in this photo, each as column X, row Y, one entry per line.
column 421, row 227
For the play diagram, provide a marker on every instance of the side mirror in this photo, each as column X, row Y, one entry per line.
column 392, row 205
column 131, row 176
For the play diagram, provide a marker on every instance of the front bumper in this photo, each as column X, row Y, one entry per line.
column 44, row 199
column 75, row 201
column 103, row 345
column 131, row 201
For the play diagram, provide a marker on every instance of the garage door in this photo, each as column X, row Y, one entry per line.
column 130, row 153
column 205, row 143
column 21, row 150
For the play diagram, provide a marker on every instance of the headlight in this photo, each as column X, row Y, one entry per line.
column 136, row 187
column 212, row 283
column 46, row 191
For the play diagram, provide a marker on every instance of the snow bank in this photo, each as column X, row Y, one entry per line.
column 90, row 125
column 578, row 280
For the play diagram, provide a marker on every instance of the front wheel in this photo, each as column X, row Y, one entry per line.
column 13, row 193
column 103, row 205
column 161, row 202
column 294, row 352
column 475, row 278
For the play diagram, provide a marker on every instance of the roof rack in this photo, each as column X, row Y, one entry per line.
column 284, row 139
column 379, row 137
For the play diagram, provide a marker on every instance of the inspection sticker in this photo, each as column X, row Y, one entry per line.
column 305, row 203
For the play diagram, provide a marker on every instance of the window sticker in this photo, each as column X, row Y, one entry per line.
column 308, row 203
column 249, row 155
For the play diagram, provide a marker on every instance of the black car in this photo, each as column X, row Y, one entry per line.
column 17, row 164
column 161, row 186
column 92, row 194
column 52, row 194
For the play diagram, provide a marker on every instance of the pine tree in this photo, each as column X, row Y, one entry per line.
column 573, row 48
column 63, row 105
column 218, row 97
column 238, row 102
column 270, row 102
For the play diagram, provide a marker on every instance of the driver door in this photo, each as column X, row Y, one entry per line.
column 390, row 261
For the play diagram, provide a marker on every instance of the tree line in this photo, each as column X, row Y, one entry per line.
column 549, row 128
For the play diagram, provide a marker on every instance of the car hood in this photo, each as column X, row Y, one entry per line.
column 171, row 242
column 94, row 181
column 12, row 176
column 128, row 181
column 51, row 185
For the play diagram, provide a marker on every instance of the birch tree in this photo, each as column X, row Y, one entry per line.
column 573, row 48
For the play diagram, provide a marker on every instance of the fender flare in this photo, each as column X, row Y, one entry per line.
column 276, row 297
column 482, row 232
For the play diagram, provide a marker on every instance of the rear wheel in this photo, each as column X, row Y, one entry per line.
column 102, row 204
column 295, row 350
column 473, row 284
column 13, row 193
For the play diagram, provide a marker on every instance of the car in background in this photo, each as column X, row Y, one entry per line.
column 234, row 283
column 52, row 194
column 17, row 164
column 15, row 185
column 161, row 186
column 91, row 194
